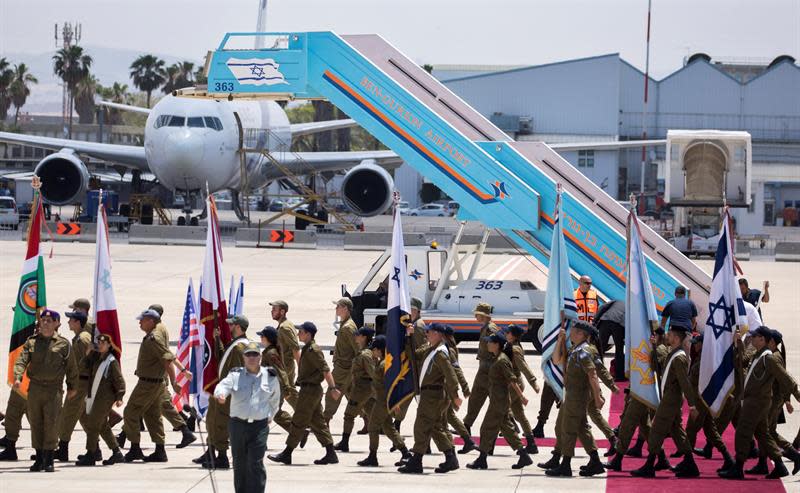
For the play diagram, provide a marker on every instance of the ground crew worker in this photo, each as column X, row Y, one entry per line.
column 580, row 385
column 754, row 296
column 152, row 366
column 308, row 414
column 379, row 420
column 218, row 415
column 521, row 369
column 480, row 386
column 666, row 422
column 271, row 358
column 438, row 388
column 586, row 300
column 47, row 359
column 287, row 340
column 361, row 397
column 168, row 410
column 344, row 351
column 502, row 381
column 452, row 417
column 105, row 388
column 764, row 370
column 680, row 311
column 419, row 341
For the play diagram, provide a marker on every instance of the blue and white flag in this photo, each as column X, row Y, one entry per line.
column 236, row 300
column 559, row 304
column 199, row 358
column 725, row 312
column 641, row 318
column 256, row 71
column 398, row 375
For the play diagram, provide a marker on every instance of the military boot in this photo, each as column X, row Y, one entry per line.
column 524, row 459
column 86, row 459
column 479, row 463
column 615, row 464
column 413, row 466
column 284, row 457
column 187, row 437
column 636, row 450
column 191, row 423
column 593, row 467
column 704, row 452
column 121, row 439
column 450, row 462
column 5, row 441
column 648, row 470
column 727, row 461
column 370, row 461
column 220, row 461
column 206, row 457
column 134, row 453
column 37, row 462
column 10, row 452
column 612, row 443
column 688, row 467
column 62, row 454
column 735, row 472
column 662, row 464
column 404, row 458
column 47, row 461
column 531, row 447
column 159, row 455
column 779, row 471
column 469, row 445
column 98, row 455
column 563, row 470
column 344, row 443
column 538, row 430
column 329, row 457
column 759, row 468
column 754, row 452
column 552, row 463
column 116, row 458
column 793, row 455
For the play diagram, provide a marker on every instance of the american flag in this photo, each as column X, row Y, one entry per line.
column 189, row 338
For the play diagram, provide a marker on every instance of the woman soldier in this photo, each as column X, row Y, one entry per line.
column 514, row 338
column 498, row 417
column 271, row 357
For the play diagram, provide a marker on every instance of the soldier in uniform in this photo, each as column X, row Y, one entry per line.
column 152, row 366
column 310, row 373
column 419, row 341
column 452, row 418
column 756, row 397
column 344, row 351
column 218, row 415
column 287, row 341
column 595, row 414
column 47, row 359
column 546, row 403
column 779, row 396
column 271, row 358
column 12, row 422
column 480, row 386
column 379, row 419
column 498, row 417
column 514, row 337
column 105, row 389
column 438, row 388
column 361, row 397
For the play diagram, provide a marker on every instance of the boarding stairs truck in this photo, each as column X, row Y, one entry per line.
column 507, row 185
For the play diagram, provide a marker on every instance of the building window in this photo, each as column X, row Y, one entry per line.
column 586, row 159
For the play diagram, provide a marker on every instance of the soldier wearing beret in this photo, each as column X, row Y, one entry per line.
column 361, row 395
column 344, row 350
column 480, row 386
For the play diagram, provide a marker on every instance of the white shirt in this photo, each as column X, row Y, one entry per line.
column 753, row 318
column 254, row 396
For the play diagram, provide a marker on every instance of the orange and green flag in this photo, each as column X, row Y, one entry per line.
column 31, row 297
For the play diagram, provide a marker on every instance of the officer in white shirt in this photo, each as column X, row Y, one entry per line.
column 255, row 398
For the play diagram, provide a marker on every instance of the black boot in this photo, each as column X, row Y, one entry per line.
column 397, row 424
column 121, row 439
column 98, row 455
column 688, row 467
column 636, row 450
column 134, row 453
column 220, row 461
column 704, row 452
column 413, row 466
column 370, row 461
column 538, row 430
column 469, row 445
column 116, row 458
column 727, row 461
column 159, row 455
column 735, row 472
column 5, row 442
column 37, row 462
column 206, row 457
column 531, row 447
column 344, row 443
column 62, row 454
column 86, row 459
column 47, row 461
column 612, row 443
column 792, row 454
column 647, row 470
column 662, row 464
column 284, row 457
column 779, row 471
column 304, row 440
column 479, row 463
column 187, row 437
column 404, row 457
column 191, row 422
column 524, row 459
column 10, row 452
column 450, row 462
column 615, row 464
column 760, row 467
column 329, row 457
column 594, row 466
column 552, row 463
column 564, row 469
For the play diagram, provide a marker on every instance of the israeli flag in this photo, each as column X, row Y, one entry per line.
column 641, row 318
column 256, row 71
column 559, row 305
column 236, row 300
column 725, row 312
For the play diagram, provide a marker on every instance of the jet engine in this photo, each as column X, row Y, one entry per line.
column 367, row 189
column 64, row 177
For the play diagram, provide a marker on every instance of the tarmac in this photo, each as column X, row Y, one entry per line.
column 309, row 280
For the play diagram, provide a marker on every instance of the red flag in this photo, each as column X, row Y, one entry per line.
column 213, row 311
column 105, row 304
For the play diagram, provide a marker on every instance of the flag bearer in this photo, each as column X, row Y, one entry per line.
column 419, row 341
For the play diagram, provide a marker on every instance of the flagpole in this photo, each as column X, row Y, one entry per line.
column 411, row 357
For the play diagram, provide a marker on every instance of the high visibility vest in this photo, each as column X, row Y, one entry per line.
column 587, row 305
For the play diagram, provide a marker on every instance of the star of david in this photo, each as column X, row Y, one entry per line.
column 396, row 276
column 727, row 322
column 105, row 279
column 256, row 70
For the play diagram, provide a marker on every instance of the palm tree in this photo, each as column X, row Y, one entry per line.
column 84, row 99
column 72, row 65
column 118, row 93
column 200, row 76
column 19, row 89
column 148, row 74
column 6, row 78
column 172, row 73
column 186, row 77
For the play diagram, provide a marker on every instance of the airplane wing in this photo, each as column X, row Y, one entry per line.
column 606, row 146
column 335, row 161
column 300, row 129
column 125, row 107
column 131, row 156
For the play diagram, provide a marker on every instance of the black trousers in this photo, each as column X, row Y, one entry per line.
column 617, row 333
column 248, row 444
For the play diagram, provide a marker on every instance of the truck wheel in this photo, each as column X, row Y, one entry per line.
column 532, row 334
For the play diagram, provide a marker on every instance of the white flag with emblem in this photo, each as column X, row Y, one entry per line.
column 256, row 71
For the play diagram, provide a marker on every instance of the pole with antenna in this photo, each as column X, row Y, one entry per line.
column 644, row 108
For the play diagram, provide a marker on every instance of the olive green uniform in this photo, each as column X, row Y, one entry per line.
column 145, row 400
column 452, row 418
column 521, row 369
column 480, row 386
column 379, row 419
column 48, row 360
column 779, row 397
column 110, row 390
column 420, row 341
column 361, row 397
column 667, row 420
column 704, row 419
column 288, row 344
column 15, row 410
column 730, row 410
column 308, row 412
column 592, row 411
column 635, row 414
column 572, row 422
column 344, row 351
column 218, row 415
column 546, row 403
column 438, row 387
column 756, row 397
column 271, row 359
column 498, row 417
column 168, row 410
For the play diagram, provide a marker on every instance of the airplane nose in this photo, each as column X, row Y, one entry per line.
column 184, row 149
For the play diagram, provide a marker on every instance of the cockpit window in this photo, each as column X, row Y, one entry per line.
column 162, row 120
column 213, row 122
column 195, row 121
column 176, row 121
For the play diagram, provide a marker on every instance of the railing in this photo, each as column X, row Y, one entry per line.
column 772, row 128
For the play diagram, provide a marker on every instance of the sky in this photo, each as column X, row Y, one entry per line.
column 495, row 32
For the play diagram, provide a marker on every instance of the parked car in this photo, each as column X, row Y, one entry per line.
column 430, row 210
column 276, row 205
column 9, row 217
column 403, row 208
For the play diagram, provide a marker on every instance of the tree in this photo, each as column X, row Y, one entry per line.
column 71, row 64
column 148, row 74
column 172, row 72
column 84, row 99
column 118, row 93
column 199, row 76
column 6, row 78
column 186, row 76
column 20, row 88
